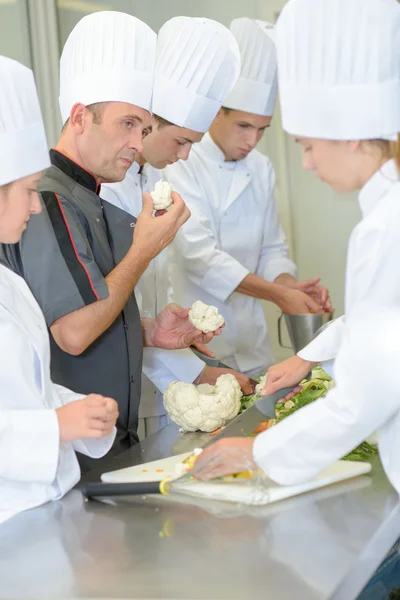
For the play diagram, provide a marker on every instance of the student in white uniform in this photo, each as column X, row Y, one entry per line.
column 41, row 424
column 233, row 251
column 189, row 88
column 339, row 69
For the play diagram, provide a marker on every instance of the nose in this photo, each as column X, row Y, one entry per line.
column 36, row 205
column 308, row 164
column 136, row 141
column 251, row 139
column 184, row 151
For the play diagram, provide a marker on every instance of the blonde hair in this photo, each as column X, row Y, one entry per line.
column 395, row 151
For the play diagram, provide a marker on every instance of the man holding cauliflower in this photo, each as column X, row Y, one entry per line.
column 232, row 252
column 189, row 88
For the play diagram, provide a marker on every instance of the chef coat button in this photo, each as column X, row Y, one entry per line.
column 125, row 326
column 247, row 174
column 132, row 225
column 132, row 379
column 136, row 183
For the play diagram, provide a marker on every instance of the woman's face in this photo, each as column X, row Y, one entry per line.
column 337, row 163
column 18, row 201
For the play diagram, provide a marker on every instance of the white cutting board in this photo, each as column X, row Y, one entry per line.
column 242, row 491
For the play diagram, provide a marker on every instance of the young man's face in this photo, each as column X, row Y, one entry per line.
column 167, row 144
column 238, row 132
column 108, row 141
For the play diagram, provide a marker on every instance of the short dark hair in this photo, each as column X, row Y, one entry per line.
column 161, row 121
column 96, row 111
column 227, row 110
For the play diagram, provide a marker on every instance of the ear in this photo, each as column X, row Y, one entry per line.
column 78, row 116
column 219, row 115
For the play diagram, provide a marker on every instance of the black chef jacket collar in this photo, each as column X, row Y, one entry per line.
column 75, row 171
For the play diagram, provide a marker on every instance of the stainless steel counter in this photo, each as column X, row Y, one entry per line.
column 324, row 544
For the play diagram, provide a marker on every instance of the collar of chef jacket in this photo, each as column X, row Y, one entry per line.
column 375, row 187
column 74, row 171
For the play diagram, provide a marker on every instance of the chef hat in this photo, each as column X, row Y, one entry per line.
column 256, row 89
column 198, row 62
column 23, row 146
column 108, row 56
column 339, row 68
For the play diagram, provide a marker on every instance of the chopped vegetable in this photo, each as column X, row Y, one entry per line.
column 317, row 387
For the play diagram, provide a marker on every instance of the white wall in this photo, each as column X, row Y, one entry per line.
column 14, row 34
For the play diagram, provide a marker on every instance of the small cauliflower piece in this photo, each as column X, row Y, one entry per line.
column 289, row 404
column 205, row 318
column 260, row 386
column 161, row 196
column 204, row 407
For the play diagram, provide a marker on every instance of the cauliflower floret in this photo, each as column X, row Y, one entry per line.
column 161, row 196
column 206, row 407
column 205, row 318
column 260, row 386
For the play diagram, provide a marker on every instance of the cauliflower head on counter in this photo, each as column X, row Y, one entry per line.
column 204, row 407
column 205, row 318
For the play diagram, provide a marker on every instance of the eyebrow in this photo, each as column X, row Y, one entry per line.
column 134, row 117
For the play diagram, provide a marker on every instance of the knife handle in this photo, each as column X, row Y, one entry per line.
column 95, row 489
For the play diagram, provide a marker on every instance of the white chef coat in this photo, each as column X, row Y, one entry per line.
column 366, row 398
column 372, row 261
column 153, row 293
column 34, row 466
column 234, row 230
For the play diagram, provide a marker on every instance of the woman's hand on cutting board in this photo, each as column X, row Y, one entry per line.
column 226, row 457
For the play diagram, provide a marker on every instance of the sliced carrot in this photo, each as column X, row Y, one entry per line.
column 159, row 470
column 262, row 427
column 144, row 471
column 216, row 431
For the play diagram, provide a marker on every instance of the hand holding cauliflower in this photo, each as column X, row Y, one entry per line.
column 204, row 407
column 205, row 318
column 161, row 196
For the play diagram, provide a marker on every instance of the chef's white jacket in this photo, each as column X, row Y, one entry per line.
column 366, row 397
column 234, row 230
column 372, row 259
column 34, row 466
column 153, row 293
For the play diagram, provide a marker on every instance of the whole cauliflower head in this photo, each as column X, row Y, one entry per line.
column 204, row 407
column 161, row 196
column 205, row 318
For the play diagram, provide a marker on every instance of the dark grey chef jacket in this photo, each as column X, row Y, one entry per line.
column 65, row 254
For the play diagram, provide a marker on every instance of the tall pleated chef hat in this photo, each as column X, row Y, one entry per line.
column 23, row 146
column 257, row 87
column 197, row 64
column 108, row 56
column 339, row 68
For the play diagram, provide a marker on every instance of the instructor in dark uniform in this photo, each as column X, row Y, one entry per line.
column 82, row 257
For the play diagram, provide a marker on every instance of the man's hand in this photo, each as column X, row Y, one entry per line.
column 319, row 293
column 153, row 233
column 286, row 374
column 295, row 302
column 211, row 374
column 172, row 330
column 90, row 417
column 226, row 457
